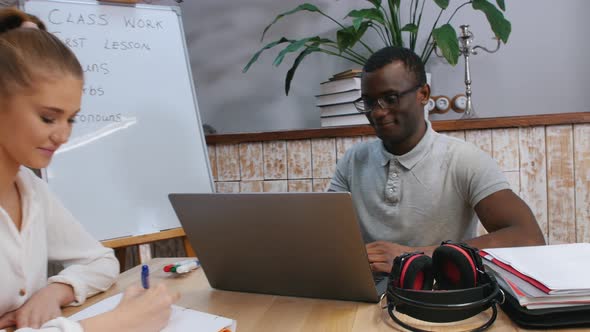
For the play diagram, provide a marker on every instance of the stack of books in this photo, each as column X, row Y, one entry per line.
column 542, row 277
column 336, row 97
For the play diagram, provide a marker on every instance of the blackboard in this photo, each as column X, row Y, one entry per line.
column 138, row 136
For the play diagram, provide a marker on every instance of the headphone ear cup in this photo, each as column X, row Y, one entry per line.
column 453, row 268
column 416, row 273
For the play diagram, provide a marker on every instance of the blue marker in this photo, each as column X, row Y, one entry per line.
column 145, row 276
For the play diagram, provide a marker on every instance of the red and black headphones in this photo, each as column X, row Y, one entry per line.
column 450, row 286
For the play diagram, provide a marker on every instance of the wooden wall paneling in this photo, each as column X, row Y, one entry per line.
column 211, row 153
column 251, row 186
column 512, row 121
column 299, row 159
column 440, row 126
column 277, row 186
column 323, row 157
column 321, row 185
column 582, row 183
column 533, row 173
column 228, row 162
column 460, row 134
column 560, row 184
column 251, row 161
column 300, row 185
column 227, row 187
column 275, row 160
column 369, row 138
column 513, row 178
column 345, row 143
column 483, row 140
column 505, row 152
column 505, row 149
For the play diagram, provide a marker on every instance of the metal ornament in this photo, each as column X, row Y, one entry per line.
column 466, row 49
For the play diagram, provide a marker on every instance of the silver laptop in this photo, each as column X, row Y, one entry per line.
column 293, row 244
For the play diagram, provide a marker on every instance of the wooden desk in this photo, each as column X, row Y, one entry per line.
column 260, row 313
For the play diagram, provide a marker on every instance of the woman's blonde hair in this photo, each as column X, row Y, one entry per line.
column 28, row 54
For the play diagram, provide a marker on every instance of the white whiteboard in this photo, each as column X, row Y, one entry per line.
column 138, row 136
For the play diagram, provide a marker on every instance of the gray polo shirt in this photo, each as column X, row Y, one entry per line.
column 422, row 197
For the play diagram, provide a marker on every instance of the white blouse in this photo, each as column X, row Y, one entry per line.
column 49, row 233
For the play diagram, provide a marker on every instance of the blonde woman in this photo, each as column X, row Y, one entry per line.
column 40, row 94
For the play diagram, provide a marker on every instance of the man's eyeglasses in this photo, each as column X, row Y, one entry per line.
column 366, row 105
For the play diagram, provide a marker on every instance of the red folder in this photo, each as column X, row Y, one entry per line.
column 510, row 269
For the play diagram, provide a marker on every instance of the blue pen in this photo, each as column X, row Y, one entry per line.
column 145, row 276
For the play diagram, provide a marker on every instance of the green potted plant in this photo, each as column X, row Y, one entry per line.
column 386, row 22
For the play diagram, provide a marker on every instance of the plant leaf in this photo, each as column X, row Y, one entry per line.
column 346, row 37
column 356, row 23
column 500, row 26
column 446, row 39
column 296, row 64
column 372, row 14
column 266, row 47
column 443, row 4
column 349, row 36
column 293, row 47
column 501, row 4
column 410, row 27
column 376, row 3
column 306, row 6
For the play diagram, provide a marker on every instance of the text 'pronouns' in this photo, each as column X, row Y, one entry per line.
column 99, row 117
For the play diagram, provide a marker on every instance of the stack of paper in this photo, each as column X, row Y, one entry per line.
column 543, row 276
column 182, row 319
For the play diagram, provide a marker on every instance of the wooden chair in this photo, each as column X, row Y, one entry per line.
column 141, row 244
